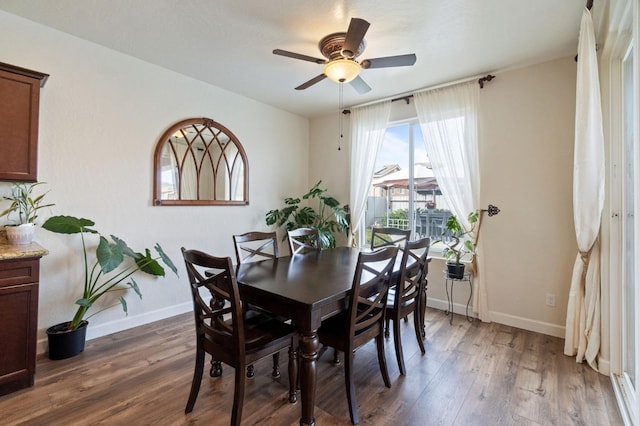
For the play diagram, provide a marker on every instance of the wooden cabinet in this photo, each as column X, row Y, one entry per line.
column 19, row 108
column 18, row 322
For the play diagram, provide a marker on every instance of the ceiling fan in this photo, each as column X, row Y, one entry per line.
column 341, row 50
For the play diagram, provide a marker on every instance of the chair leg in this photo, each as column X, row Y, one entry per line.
column 238, row 397
column 397, row 340
column 293, row 372
column 336, row 358
column 197, row 379
column 216, row 368
column 423, row 309
column 276, row 365
column 350, row 386
column 386, row 328
column 383, row 361
column 250, row 371
column 418, row 329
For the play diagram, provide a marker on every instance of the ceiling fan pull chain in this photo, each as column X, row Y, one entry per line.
column 340, row 87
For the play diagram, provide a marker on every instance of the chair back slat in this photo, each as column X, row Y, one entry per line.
column 414, row 267
column 384, row 236
column 303, row 240
column 255, row 246
column 370, row 288
column 221, row 320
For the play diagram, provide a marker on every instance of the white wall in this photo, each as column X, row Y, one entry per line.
column 526, row 158
column 101, row 115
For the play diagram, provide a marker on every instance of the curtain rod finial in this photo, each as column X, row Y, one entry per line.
column 482, row 80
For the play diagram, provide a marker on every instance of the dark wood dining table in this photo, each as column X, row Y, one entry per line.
column 307, row 288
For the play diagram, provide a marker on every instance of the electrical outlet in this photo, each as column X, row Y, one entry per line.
column 551, row 299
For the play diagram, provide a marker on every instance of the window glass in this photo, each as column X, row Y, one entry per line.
column 404, row 193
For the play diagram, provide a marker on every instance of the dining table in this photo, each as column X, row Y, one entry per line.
column 307, row 288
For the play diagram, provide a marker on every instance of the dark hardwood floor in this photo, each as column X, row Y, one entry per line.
column 472, row 374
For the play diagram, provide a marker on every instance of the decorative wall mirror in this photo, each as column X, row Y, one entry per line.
column 200, row 162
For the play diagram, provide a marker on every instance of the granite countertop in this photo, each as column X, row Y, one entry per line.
column 13, row 251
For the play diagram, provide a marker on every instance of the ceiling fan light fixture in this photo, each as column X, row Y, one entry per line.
column 342, row 70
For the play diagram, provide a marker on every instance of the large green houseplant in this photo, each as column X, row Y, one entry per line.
column 109, row 268
column 22, row 211
column 458, row 242
column 328, row 218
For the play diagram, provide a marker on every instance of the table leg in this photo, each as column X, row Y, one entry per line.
column 309, row 346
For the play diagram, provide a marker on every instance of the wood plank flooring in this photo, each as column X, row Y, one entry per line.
column 472, row 374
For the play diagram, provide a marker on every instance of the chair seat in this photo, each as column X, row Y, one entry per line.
column 260, row 328
column 333, row 332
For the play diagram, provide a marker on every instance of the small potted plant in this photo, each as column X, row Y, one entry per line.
column 23, row 212
column 328, row 219
column 458, row 243
column 107, row 269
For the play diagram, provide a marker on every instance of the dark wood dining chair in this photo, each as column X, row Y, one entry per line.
column 385, row 236
column 254, row 246
column 303, row 240
column 229, row 333
column 409, row 295
column 364, row 319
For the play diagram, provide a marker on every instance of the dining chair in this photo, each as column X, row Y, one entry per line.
column 364, row 319
column 229, row 333
column 385, row 236
column 254, row 246
column 303, row 240
column 408, row 295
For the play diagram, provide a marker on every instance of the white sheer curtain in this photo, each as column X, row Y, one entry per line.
column 368, row 125
column 449, row 121
column 582, row 332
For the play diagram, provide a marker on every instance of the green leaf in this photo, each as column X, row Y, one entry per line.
column 167, row 261
column 306, row 216
column 290, row 201
column 272, row 217
column 84, row 302
column 123, row 247
column 109, row 256
column 469, row 246
column 134, row 285
column 124, row 305
column 68, row 225
column 330, row 201
column 149, row 265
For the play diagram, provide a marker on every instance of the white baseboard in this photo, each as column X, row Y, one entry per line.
column 501, row 318
column 528, row 324
column 443, row 305
column 95, row 331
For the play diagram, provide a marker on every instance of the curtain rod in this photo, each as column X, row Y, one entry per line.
column 481, row 81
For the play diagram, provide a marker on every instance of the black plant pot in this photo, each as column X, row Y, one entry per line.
column 455, row 270
column 65, row 343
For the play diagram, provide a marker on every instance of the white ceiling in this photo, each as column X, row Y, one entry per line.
column 229, row 43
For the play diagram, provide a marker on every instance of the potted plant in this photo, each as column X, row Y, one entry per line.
column 107, row 269
column 327, row 219
column 25, row 206
column 458, row 243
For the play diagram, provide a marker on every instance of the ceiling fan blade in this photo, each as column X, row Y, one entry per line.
column 298, row 56
column 389, row 61
column 311, row 82
column 360, row 86
column 355, row 34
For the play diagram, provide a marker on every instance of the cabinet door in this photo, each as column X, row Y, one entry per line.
column 18, row 313
column 19, row 319
column 19, row 105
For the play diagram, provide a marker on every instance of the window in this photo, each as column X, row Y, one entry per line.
column 404, row 193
